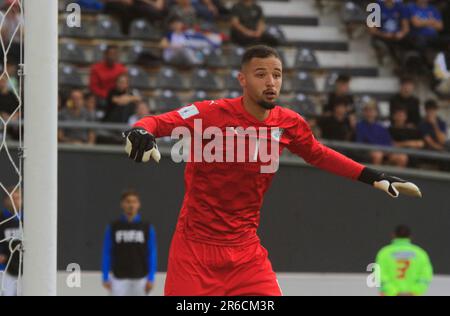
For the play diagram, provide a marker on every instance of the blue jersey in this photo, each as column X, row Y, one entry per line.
column 373, row 134
column 392, row 17
column 428, row 12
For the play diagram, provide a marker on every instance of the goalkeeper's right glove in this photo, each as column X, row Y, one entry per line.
column 141, row 145
column 389, row 184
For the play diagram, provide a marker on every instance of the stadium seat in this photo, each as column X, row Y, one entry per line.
column 138, row 54
column 169, row 78
column 303, row 82
column 277, row 32
column 231, row 94
column 99, row 50
column 352, row 12
column 71, row 52
column 235, row 56
column 143, row 30
column 203, row 79
column 303, row 105
column 107, row 27
column 167, row 101
column 214, row 58
column 305, row 59
column 330, row 81
column 231, row 81
column 69, row 75
column 84, row 31
column 138, row 78
column 200, row 95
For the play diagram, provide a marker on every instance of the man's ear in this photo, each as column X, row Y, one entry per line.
column 241, row 78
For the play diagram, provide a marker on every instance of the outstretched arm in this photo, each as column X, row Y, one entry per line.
column 313, row 152
column 141, row 144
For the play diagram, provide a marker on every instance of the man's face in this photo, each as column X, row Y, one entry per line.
column 111, row 55
column 340, row 110
column 3, row 82
column 91, row 103
column 130, row 205
column 122, row 83
column 422, row 3
column 400, row 117
column 261, row 80
column 342, row 87
column 77, row 99
column 407, row 89
column 16, row 199
column 431, row 113
column 142, row 109
column 370, row 114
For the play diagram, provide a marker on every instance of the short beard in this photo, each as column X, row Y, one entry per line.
column 266, row 105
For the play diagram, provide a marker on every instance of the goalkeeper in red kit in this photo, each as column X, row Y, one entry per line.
column 215, row 249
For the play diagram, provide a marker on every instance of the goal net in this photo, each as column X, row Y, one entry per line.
column 11, row 224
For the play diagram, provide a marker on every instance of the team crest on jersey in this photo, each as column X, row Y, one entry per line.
column 276, row 133
column 188, row 111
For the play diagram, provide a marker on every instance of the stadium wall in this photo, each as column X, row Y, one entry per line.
column 311, row 221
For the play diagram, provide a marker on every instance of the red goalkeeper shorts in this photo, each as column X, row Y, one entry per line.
column 201, row 269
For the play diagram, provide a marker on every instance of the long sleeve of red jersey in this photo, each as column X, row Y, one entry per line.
column 313, row 152
column 163, row 124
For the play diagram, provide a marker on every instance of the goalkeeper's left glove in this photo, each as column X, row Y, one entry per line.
column 389, row 184
column 141, row 145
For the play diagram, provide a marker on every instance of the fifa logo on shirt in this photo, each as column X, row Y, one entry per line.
column 130, row 236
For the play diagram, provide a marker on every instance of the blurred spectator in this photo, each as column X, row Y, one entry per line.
column 248, row 26
column 209, row 9
column 433, row 128
column 8, row 104
column 406, row 98
column 426, row 22
column 10, row 31
column 104, row 74
column 183, row 10
column 337, row 126
column 92, row 5
column 341, row 91
column 442, row 71
column 141, row 110
column 128, row 10
column 182, row 46
column 404, row 134
column 10, row 235
column 75, row 111
column 445, row 11
column 394, row 27
column 121, row 101
column 90, row 102
column 8, row 100
column 370, row 131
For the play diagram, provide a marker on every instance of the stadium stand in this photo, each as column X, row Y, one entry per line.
column 319, row 42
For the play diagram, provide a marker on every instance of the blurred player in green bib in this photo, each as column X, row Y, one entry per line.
column 405, row 268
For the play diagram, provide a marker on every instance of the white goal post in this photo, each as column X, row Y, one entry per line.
column 40, row 146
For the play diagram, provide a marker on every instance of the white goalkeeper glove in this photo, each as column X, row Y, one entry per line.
column 141, row 145
column 391, row 185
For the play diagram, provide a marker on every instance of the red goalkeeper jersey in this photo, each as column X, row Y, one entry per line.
column 222, row 199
